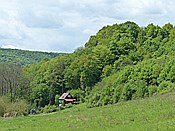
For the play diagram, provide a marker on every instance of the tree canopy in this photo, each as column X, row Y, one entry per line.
column 24, row 57
column 121, row 62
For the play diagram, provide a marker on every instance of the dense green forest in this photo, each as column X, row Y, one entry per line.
column 24, row 57
column 121, row 62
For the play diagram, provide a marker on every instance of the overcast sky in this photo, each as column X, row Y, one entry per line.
column 64, row 25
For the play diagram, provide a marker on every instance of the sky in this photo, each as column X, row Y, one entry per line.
column 65, row 25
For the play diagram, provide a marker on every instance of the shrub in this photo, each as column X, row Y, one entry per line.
column 9, row 109
column 152, row 90
column 20, row 108
column 2, row 107
column 57, row 99
column 49, row 109
column 4, row 103
column 165, row 86
column 78, row 94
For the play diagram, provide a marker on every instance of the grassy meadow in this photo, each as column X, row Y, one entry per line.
column 150, row 114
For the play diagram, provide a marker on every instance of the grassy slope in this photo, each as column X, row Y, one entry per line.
column 156, row 113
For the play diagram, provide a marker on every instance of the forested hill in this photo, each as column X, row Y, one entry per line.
column 24, row 57
column 121, row 62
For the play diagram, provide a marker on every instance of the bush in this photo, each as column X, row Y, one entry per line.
column 152, row 90
column 4, row 103
column 165, row 86
column 19, row 108
column 49, row 109
column 57, row 99
column 9, row 109
column 78, row 95
column 2, row 107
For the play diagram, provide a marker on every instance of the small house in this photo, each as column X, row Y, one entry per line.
column 66, row 98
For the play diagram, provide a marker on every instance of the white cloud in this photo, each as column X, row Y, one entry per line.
column 10, row 46
column 64, row 25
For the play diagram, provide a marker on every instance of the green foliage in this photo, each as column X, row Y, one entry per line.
column 152, row 90
column 57, row 99
column 121, row 62
column 49, row 109
column 13, row 109
column 142, row 68
column 24, row 57
column 107, row 71
column 20, row 107
column 78, row 94
column 44, row 80
column 165, row 86
column 3, row 104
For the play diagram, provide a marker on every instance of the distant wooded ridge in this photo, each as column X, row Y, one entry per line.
column 24, row 57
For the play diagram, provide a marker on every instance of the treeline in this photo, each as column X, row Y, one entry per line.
column 24, row 57
column 121, row 62
column 9, row 80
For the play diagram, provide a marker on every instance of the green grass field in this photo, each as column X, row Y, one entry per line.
column 150, row 114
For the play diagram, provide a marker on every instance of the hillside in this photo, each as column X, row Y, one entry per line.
column 122, row 62
column 24, row 57
column 150, row 114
